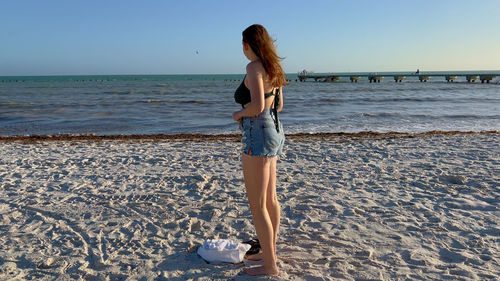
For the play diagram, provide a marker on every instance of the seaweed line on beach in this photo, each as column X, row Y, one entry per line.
column 235, row 137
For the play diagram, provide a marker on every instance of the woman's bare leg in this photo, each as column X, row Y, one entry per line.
column 272, row 206
column 256, row 172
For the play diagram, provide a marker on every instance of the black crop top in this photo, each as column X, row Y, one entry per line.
column 242, row 94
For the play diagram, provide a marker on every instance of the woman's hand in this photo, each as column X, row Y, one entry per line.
column 236, row 116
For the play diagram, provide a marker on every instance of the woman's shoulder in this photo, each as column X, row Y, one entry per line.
column 255, row 67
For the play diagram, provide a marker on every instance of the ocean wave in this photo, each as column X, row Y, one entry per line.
column 119, row 92
column 470, row 116
column 47, row 87
column 383, row 115
column 14, row 105
column 407, row 116
column 154, row 101
column 397, row 100
column 104, row 113
column 179, row 101
column 331, row 100
column 162, row 85
column 161, row 92
column 424, row 99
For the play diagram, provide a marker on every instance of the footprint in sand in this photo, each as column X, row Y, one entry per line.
column 451, row 179
column 451, row 257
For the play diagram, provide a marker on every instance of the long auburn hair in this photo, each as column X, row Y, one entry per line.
column 263, row 46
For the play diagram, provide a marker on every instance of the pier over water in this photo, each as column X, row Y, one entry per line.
column 376, row 77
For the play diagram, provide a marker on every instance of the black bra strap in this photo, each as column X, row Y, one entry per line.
column 275, row 109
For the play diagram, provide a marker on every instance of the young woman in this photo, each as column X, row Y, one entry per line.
column 261, row 97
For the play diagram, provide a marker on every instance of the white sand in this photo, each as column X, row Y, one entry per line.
column 423, row 208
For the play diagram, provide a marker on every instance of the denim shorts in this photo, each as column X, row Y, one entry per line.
column 260, row 137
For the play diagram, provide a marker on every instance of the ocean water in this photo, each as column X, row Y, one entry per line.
column 171, row 104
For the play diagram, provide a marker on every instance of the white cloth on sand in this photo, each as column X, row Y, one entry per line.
column 223, row 250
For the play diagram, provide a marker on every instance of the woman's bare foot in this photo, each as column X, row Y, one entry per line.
column 262, row 270
column 255, row 257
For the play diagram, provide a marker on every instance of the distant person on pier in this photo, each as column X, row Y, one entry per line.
column 418, row 71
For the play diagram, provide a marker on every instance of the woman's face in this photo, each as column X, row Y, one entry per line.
column 247, row 50
column 245, row 47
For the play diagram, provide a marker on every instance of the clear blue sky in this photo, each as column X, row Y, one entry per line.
column 163, row 37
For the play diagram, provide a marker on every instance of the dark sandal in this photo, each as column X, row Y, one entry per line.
column 255, row 247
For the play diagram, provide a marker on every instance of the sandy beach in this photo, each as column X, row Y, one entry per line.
column 371, row 207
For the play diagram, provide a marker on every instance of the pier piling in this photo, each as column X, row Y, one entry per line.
column 332, row 79
column 399, row 79
column 450, row 78
column 472, row 78
column 486, row 79
column 375, row 79
column 424, row 78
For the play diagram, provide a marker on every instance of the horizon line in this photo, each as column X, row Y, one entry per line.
column 288, row 73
